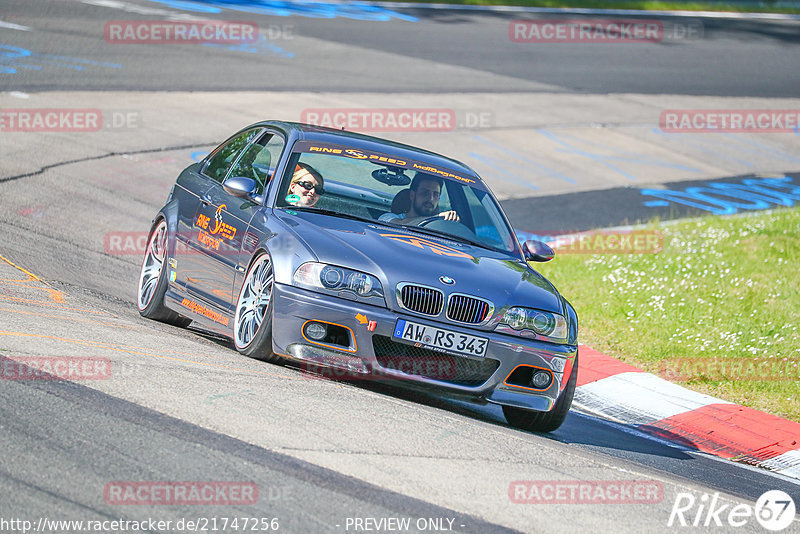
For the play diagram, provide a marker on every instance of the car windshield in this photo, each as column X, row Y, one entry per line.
column 372, row 186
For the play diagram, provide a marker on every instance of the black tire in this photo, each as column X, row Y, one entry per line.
column 545, row 421
column 255, row 341
column 151, row 305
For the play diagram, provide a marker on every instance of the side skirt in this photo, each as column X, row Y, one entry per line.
column 198, row 310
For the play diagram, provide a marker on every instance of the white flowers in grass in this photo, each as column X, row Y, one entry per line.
column 699, row 283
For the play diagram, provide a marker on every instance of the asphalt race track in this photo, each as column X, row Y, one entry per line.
column 568, row 137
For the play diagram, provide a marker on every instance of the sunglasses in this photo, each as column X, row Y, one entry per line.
column 308, row 186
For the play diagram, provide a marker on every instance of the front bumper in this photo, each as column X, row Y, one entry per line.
column 366, row 355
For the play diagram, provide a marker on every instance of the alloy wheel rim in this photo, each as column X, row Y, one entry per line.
column 253, row 302
column 152, row 265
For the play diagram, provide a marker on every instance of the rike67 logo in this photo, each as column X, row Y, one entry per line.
column 774, row 510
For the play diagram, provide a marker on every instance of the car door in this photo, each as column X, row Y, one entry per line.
column 209, row 173
column 223, row 219
column 190, row 187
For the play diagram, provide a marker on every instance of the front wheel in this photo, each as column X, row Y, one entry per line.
column 252, row 325
column 545, row 421
column 153, row 280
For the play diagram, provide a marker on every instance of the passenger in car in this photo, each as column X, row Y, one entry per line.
column 306, row 187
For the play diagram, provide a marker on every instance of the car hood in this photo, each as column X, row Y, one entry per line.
column 397, row 255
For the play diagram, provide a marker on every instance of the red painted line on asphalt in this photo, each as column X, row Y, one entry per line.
column 595, row 365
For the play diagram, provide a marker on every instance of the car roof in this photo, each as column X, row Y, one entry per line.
column 310, row 132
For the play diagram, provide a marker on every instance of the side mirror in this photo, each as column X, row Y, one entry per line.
column 241, row 187
column 537, row 251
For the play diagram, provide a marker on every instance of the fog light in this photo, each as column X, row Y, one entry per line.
column 316, row 331
column 541, row 379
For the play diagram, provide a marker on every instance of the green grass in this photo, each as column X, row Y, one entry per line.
column 717, row 310
column 647, row 5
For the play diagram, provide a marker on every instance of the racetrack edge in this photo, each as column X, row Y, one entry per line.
column 611, row 389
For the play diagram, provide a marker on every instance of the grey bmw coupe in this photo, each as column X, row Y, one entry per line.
column 343, row 251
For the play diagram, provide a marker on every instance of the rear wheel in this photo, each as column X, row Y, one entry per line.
column 545, row 421
column 252, row 325
column 153, row 280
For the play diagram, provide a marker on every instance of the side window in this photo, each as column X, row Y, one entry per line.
column 260, row 160
column 220, row 162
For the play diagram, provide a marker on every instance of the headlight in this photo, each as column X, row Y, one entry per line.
column 336, row 280
column 534, row 323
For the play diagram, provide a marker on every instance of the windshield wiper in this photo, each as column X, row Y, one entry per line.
column 311, row 209
column 444, row 235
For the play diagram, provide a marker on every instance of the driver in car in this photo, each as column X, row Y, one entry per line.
column 423, row 194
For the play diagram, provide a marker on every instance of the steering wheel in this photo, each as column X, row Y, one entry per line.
column 426, row 221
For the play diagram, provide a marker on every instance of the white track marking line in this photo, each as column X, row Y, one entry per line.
column 12, row 26
column 787, row 463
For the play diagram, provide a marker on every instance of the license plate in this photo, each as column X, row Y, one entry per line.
column 439, row 339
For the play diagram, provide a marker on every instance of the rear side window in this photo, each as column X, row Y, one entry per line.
column 224, row 156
